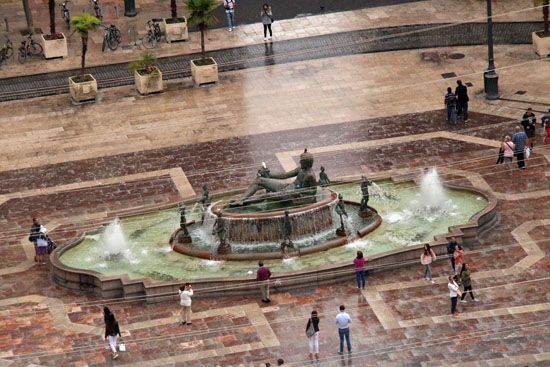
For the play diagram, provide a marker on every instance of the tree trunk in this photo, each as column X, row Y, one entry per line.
column 28, row 14
column 84, row 49
column 203, row 51
column 51, row 6
column 174, row 9
column 545, row 16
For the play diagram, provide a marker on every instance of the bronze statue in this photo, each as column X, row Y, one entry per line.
column 287, row 233
column 183, row 220
column 341, row 211
column 220, row 229
column 365, row 183
column 323, row 178
column 304, row 186
column 204, row 201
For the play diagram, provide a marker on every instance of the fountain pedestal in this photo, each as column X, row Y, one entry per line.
column 224, row 249
column 340, row 232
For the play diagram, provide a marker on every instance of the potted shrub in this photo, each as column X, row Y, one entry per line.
column 175, row 27
column 541, row 39
column 54, row 44
column 147, row 75
column 205, row 69
column 83, row 87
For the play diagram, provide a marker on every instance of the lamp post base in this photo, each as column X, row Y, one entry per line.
column 130, row 8
column 490, row 81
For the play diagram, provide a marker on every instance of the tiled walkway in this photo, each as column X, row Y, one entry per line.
column 379, row 114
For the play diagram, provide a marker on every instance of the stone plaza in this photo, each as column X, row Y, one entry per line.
column 363, row 90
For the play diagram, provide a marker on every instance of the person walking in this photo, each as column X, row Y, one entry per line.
column 343, row 320
column 545, row 121
column 450, row 103
column 267, row 19
column 519, row 139
column 262, row 275
column 229, row 6
column 451, row 245
column 528, row 121
column 454, row 292
column 186, row 292
column 462, row 100
column 112, row 331
column 426, row 259
column 466, row 283
column 507, row 152
column 312, row 333
column 33, row 236
column 359, row 264
column 459, row 258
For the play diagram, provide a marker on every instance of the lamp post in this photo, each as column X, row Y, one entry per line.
column 490, row 77
column 130, row 8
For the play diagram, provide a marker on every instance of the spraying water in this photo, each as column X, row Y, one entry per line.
column 432, row 193
column 113, row 239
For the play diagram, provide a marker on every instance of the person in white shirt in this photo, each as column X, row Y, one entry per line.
column 343, row 320
column 186, row 291
column 229, row 6
column 454, row 292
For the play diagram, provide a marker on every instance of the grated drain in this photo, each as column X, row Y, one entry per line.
column 456, row 56
column 448, row 75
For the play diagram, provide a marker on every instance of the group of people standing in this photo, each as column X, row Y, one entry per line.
column 457, row 103
column 266, row 17
column 521, row 144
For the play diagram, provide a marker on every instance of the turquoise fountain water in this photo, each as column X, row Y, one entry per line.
column 411, row 215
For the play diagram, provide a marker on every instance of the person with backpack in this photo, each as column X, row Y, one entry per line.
column 450, row 103
column 312, row 333
column 229, row 6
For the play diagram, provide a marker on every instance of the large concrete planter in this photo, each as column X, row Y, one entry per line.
column 541, row 44
column 83, row 88
column 176, row 29
column 148, row 83
column 54, row 46
column 204, row 71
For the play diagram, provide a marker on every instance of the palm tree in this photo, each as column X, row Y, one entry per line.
column 201, row 16
column 546, row 5
column 51, row 8
column 84, row 24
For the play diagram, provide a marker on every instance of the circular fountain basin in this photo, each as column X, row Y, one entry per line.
column 154, row 269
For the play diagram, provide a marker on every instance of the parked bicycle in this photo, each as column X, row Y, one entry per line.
column 153, row 35
column 97, row 9
column 66, row 14
column 28, row 48
column 6, row 51
column 112, row 38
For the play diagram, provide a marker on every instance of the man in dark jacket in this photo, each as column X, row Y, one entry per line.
column 451, row 245
column 462, row 102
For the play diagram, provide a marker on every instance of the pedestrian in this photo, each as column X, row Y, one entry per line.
column 33, row 236
column 519, row 139
column 312, row 333
column 459, row 258
column 229, row 6
column 112, row 331
column 267, row 19
column 507, row 152
column 462, row 100
column 262, row 275
column 545, row 121
column 450, row 103
column 359, row 264
column 466, row 283
column 186, row 292
column 451, row 245
column 528, row 121
column 454, row 292
column 426, row 259
column 343, row 320
column 41, row 248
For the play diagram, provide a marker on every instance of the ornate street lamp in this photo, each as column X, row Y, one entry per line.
column 490, row 77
